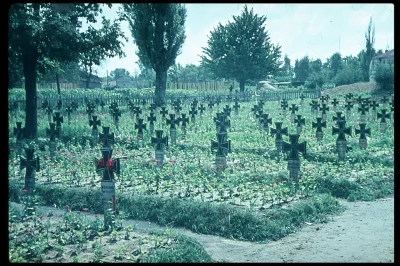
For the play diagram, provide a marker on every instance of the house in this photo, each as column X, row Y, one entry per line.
column 385, row 58
column 95, row 82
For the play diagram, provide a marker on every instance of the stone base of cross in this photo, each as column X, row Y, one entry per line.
column 172, row 133
column 363, row 143
column 341, row 148
column 160, row 157
column 373, row 114
column 334, row 108
column 348, row 114
column 362, row 118
column 292, row 117
column 59, row 131
column 279, row 145
column 52, row 148
column 319, row 135
column 299, row 129
column 95, row 136
column 220, row 163
column 383, row 127
column 151, row 128
column 19, row 143
column 109, row 202
column 323, row 118
column 294, row 169
column 183, row 128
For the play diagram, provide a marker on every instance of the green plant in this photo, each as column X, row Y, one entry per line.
column 384, row 76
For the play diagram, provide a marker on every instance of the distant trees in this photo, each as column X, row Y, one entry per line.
column 242, row 49
column 119, row 73
column 384, row 76
column 158, row 31
column 302, row 69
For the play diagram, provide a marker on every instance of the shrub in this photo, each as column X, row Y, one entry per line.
column 348, row 75
column 384, row 76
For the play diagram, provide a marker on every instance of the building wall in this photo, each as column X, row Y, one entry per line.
column 374, row 64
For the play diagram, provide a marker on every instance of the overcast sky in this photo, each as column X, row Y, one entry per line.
column 300, row 29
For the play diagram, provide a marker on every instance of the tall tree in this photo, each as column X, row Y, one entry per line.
column 369, row 49
column 286, row 65
column 158, row 31
column 119, row 73
column 336, row 64
column 242, row 49
column 97, row 45
column 303, row 69
column 39, row 32
column 316, row 65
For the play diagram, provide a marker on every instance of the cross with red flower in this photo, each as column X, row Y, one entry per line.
column 107, row 165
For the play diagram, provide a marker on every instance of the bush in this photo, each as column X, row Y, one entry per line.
column 313, row 80
column 347, row 75
column 384, row 76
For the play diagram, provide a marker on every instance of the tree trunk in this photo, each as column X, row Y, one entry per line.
column 161, row 82
column 29, row 58
column 58, row 83
column 241, row 85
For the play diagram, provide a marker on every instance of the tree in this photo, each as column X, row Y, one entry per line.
column 369, row 50
column 119, row 73
column 336, row 64
column 242, row 49
column 286, row 65
column 96, row 45
column 43, row 32
column 316, row 66
column 302, row 69
column 384, row 76
column 158, row 31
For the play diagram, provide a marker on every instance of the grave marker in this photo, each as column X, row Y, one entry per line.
column 184, row 121
column 69, row 112
column 341, row 142
column 95, row 131
column 116, row 113
column 302, row 97
column 314, row 107
column 335, row 103
column 319, row 134
column 201, row 109
column 106, row 138
column 159, row 142
column 59, row 104
column 265, row 121
column 58, row 119
column 293, row 110
column 19, row 132
column 294, row 147
column 172, row 130
column 236, row 107
column 323, row 108
column 49, row 111
column 193, row 113
column 140, row 126
column 163, row 112
column 222, row 147
column 383, row 115
column 284, row 106
column 278, row 131
column 362, row 109
column 363, row 132
column 339, row 117
column 52, row 132
column 373, row 106
column 227, row 110
column 32, row 165
column 152, row 118
column 300, row 122
column 89, row 110
column 348, row 107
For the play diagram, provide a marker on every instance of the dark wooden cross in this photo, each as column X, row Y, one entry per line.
column 284, row 104
column 349, row 96
column 335, row 102
column 319, row 124
column 195, row 102
column 137, row 111
column 106, row 138
column 52, row 132
column 363, row 109
column 102, row 104
column 363, row 131
column 152, row 118
column 314, row 105
column 236, row 106
column 116, row 114
column 360, row 99
column 159, row 141
column 74, row 105
column 58, row 119
column 19, row 131
column 261, row 103
column 107, row 165
column 163, row 111
column 294, row 147
column 69, row 110
column 210, row 104
column 293, row 108
column 201, row 108
column 112, row 106
column 384, row 100
column 49, row 110
column 140, row 126
column 222, row 145
column 172, row 121
column 144, row 102
column 59, row 104
column 45, row 104
column 183, row 120
column 32, row 165
column 339, row 117
column 193, row 113
column 348, row 105
column 227, row 110
column 255, row 109
column 152, row 107
column 367, row 101
column 131, row 106
column 89, row 109
column 302, row 97
column 324, row 108
column 374, row 105
column 265, row 120
column 259, row 113
column 94, row 122
column 177, row 107
column 299, row 121
column 383, row 115
column 222, row 123
column 341, row 130
column 322, row 99
column 278, row 131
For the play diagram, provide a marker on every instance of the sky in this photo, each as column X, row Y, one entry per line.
column 315, row 30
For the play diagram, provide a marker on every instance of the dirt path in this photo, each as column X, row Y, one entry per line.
column 364, row 232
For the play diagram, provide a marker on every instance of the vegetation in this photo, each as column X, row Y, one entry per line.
column 384, row 76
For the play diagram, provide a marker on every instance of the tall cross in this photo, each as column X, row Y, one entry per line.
column 210, row 104
column 227, row 110
column 30, row 163
column 112, row 106
column 278, row 131
column 384, row 100
column 383, row 115
column 299, row 121
column 52, row 132
column 89, row 109
column 163, row 111
column 360, row 99
column 322, row 99
column 335, row 102
column 367, row 101
column 193, row 113
column 284, row 104
column 69, row 110
column 236, row 106
column 374, row 105
column 172, row 121
column 201, row 108
column 184, row 120
column 94, row 122
column 319, row 124
column 341, row 130
column 363, row 109
column 106, row 137
column 302, row 97
column 363, row 131
column 58, row 118
column 339, row 117
column 222, row 145
column 19, row 131
column 144, row 102
column 45, row 103
column 293, row 108
column 102, row 104
column 324, row 108
column 49, row 110
column 152, row 118
column 74, row 105
column 131, row 106
column 265, row 120
column 59, row 104
column 107, row 165
column 140, row 126
column 294, row 147
column 259, row 113
column 349, row 96
column 159, row 141
column 116, row 114
column 255, row 109
column 178, row 107
column 348, row 105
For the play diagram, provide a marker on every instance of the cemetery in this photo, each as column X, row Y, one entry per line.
column 214, row 158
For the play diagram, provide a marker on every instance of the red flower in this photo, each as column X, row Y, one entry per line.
column 277, row 179
column 25, row 190
column 110, row 164
column 29, row 233
column 40, row 217
column 272, row 185
column 100, row 163
column 256, row 150
column 85, row 209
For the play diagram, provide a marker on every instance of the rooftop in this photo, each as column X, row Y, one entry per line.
column 387, row 54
